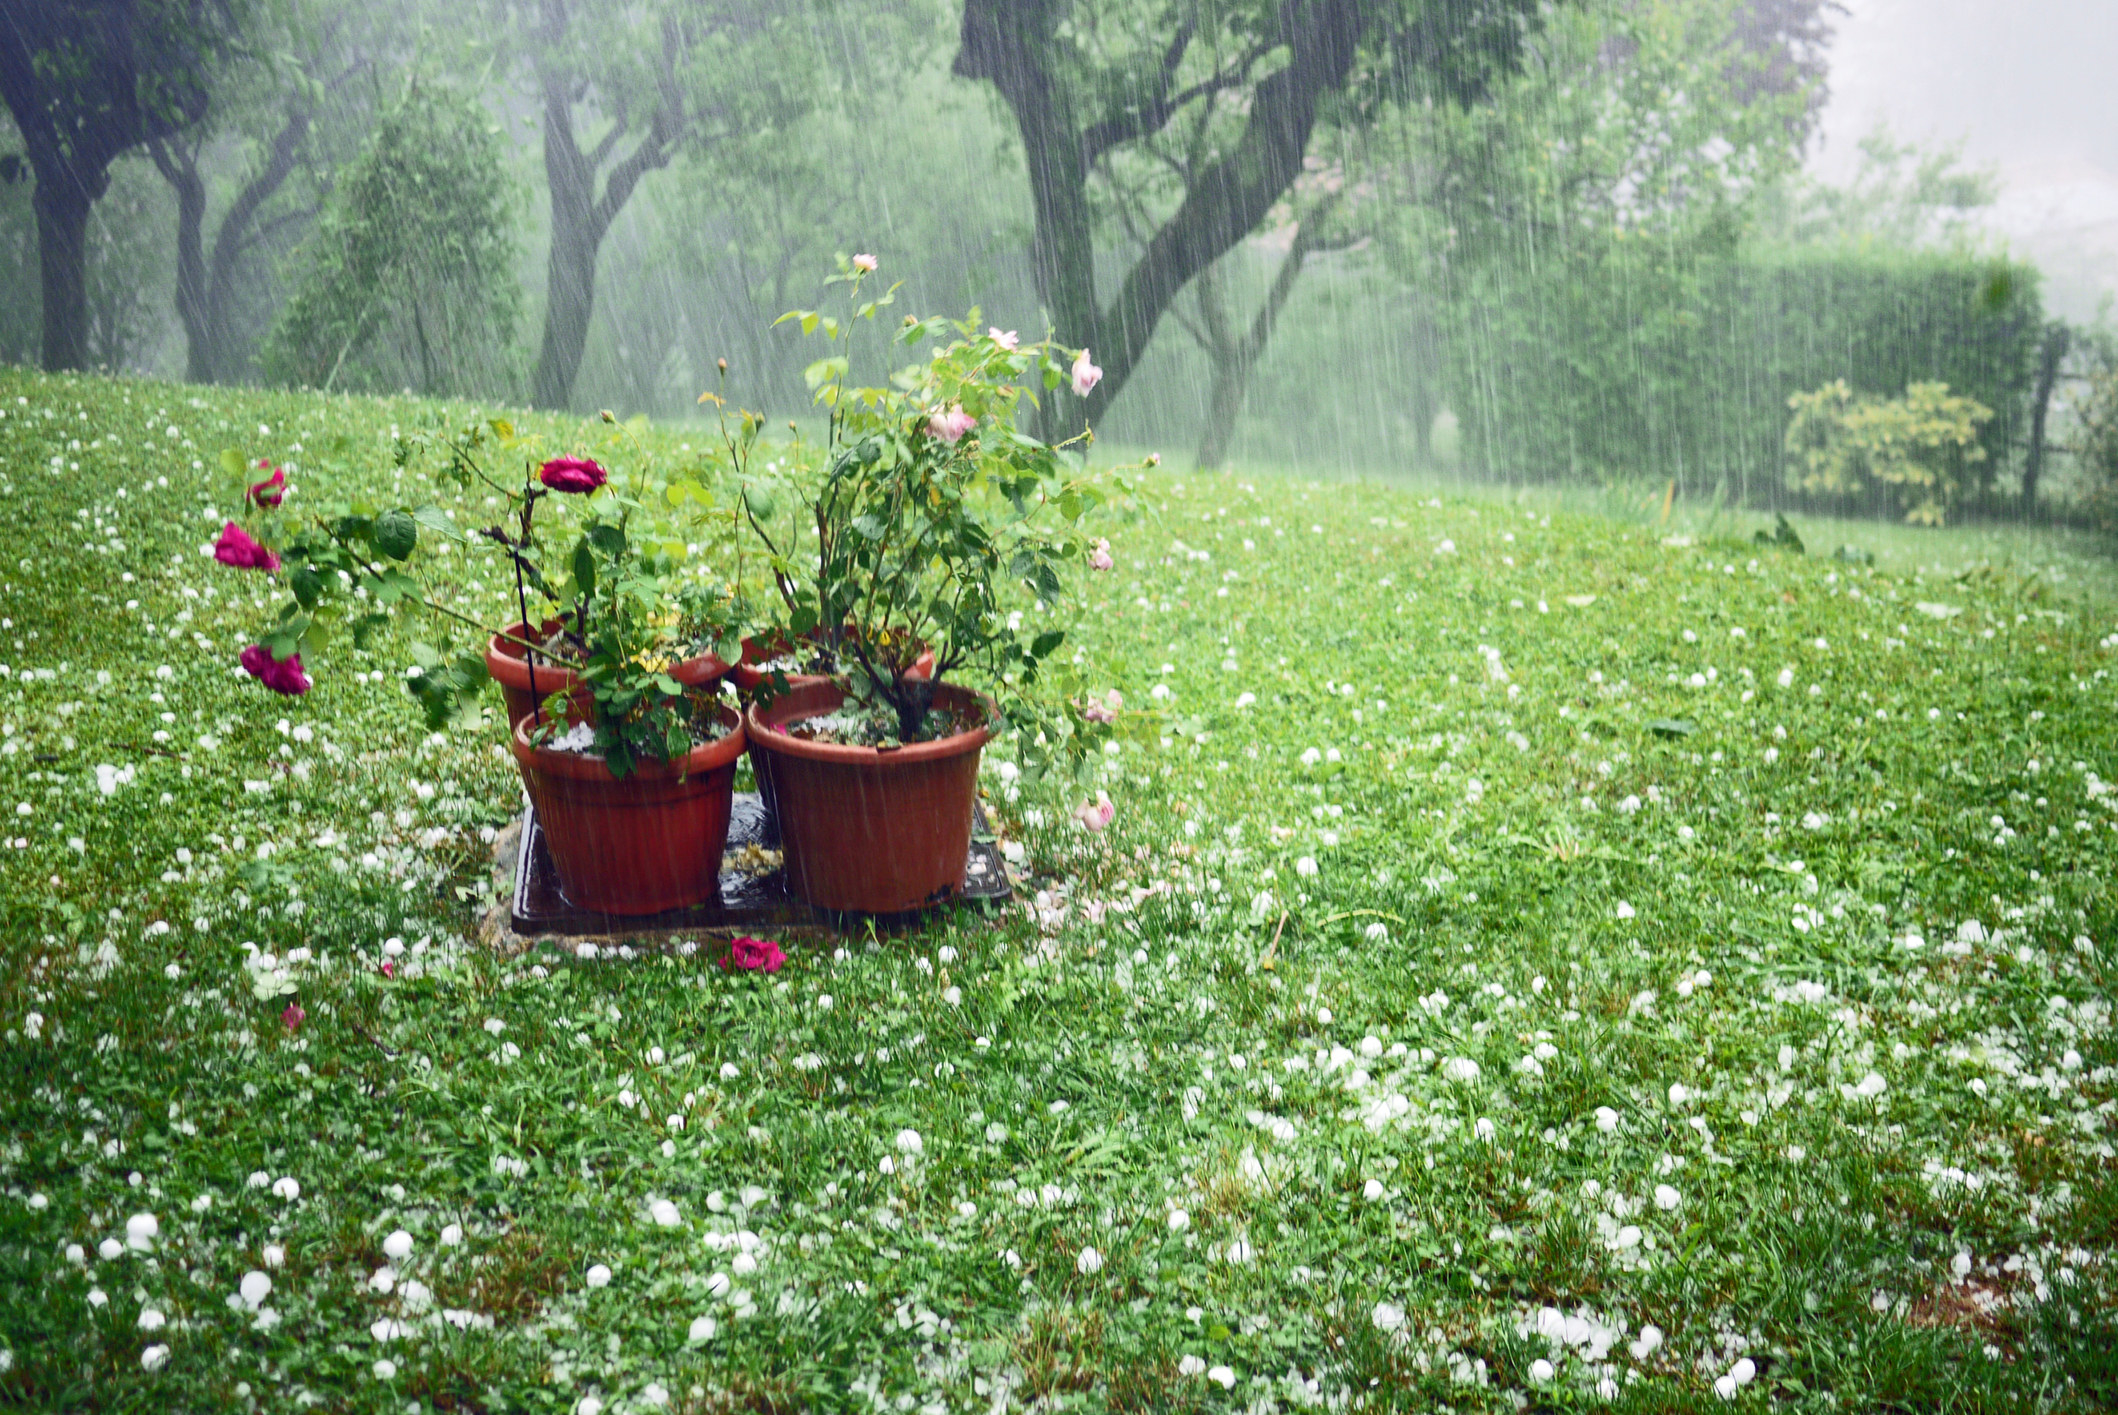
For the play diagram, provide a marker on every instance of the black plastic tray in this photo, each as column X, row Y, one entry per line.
column 746, row 901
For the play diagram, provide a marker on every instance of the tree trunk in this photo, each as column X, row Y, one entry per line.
column 570, row 273
column 2053, row 349
column 1235, row 358
column 181, row 171
column 62, row 258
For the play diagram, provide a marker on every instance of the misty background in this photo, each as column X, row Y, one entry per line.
column 1612, row 242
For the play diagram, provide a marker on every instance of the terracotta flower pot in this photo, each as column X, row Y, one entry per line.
column 646, row 844
column 505, row 660
column 864, row 830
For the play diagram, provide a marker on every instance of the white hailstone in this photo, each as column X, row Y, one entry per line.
column 1222, row 1376
column 1743, row 1371
column 1191, row 1366
column 38, row 1201
column 151, row 1320
column 1388, row 1317
column 154, row 1358
column 744, row 1264
column 76, row 1255
column 598, row 1275
column 1460, row 1068
column 383, row 1279
column 1377, row 932
column 909, row 1143
column 1725, row 1387
column 1240, row 1250
column 1484, row 1129
column 1323, row 1016
column 254, row 1288
column 1371, row 1046
column 97, row 1297
column 664, row 1213
column 1179, row 1220
column 110, row 1249
column 495, row 1025
column 140, row 1232
column 1626, row 1238
column 1626, row 910
column 1667, row 1198
column 730, row 1071
column 589, row 1406
column 1305, row 867
column 1679, row 1093
column 1372, row 1191
column 1647, row 1343
column 1089, row 1263
column 398, row 1246
column 287, row 1187
column 452, row 1235
column 273, row 1254
column 717, row 1285
column 1311, row 756
column 1541, row 1371
column 653, row 1393
column 703, row 1328
column 385, row 1369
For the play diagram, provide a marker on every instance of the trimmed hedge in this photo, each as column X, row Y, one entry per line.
column 1628, row 364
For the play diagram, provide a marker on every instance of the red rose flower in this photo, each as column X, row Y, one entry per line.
column 239, row 548
column 577, row 476
column 755, row 955
column 281, row 675
column 272, row 490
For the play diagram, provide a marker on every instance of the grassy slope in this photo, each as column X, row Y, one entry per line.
column 1708, row 934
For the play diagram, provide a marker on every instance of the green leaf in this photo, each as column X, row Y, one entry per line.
column 437, row 520
column 1672, row 727
column 1043, row 645
column 396, row 533
column 607, row 538
column 233, row 464
column 306, row 585
column 584, row 568
column 760, row 500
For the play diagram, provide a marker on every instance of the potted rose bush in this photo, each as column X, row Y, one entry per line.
column 625, row 743
column 906, row 553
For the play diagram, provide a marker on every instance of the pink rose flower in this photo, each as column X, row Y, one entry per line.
column 281, row 675
column 1103, row 709
column 389, row 969
column 950, row 423
column 1094, row 815
column 272, row 490
column 294, row 1016
column 237, row 547
column 576, row 476
column 755, row 955
column 1086, row 375
column 864, row 263
column 1007, row 340
column 1099, row 556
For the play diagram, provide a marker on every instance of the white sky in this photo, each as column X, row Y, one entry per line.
column 2030, row 87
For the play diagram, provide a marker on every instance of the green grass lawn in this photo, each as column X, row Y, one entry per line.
column 1533, row 964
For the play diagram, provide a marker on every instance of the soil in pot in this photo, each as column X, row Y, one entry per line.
column 646, row 844
column 506, row 660
column 868, row 830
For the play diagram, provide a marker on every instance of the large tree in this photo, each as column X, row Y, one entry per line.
column 1085, row 77
column 284, row 116
column 622, row 88
column 88, row 81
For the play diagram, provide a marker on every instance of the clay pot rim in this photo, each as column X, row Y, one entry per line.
column 763, row 732
column 693, row 672
column 578, row 766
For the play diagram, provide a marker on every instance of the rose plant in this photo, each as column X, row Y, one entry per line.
column 627, row 600
column 925, row 510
